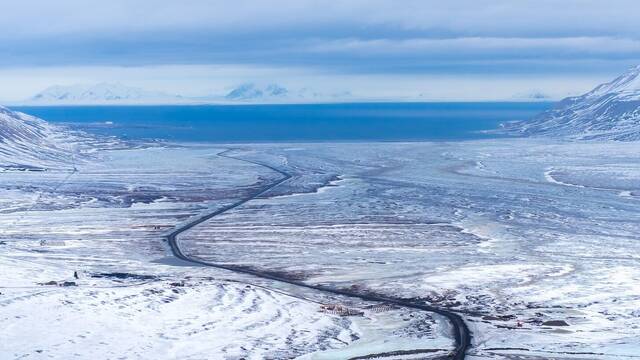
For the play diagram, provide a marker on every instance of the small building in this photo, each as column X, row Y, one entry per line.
column 378, row 308
column 340, row 310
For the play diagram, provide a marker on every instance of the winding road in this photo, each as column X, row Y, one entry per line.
column 461, row 333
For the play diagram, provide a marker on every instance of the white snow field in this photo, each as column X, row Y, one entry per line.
column 133, row 300
column 539, row 268
column 535, row 243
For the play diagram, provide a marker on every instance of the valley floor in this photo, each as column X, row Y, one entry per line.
column 534, row 243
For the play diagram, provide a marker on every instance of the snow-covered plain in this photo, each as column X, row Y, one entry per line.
column 107, row 221
column 537, row 232
column 479, row 227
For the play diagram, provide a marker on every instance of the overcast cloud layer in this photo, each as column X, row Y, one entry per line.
column 521, row 45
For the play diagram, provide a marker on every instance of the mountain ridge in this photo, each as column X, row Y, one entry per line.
column 100, row 93
column 118, row 94
column 611, row 111
column 30, row 143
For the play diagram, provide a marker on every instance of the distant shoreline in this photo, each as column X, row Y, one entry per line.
column 15, row 104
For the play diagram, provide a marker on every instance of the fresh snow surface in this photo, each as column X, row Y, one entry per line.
column 611, row 111
column 536, row 231
column 29, row 143
column 133, row 299
column 476, row 227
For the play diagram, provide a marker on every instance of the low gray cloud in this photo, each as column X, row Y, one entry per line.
column 343, row 37
column 316, row 33
column 480, row 18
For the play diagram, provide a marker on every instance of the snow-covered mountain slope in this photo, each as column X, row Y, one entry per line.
column 252, row 92
column 118, row 94
column 611, row 111
column 103, row 93
column 27, row 142
column 533, row 95
column 274, row 93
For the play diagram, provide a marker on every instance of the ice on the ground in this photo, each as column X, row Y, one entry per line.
column 107, row 221
column 534, row 242
column 478, row 227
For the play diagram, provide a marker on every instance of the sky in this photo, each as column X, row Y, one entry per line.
column 455, row 50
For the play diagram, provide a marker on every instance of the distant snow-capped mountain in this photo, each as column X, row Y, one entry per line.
column 117, row 94
column 610, row 111
column 27, row 142
column 274, row 93
column 101, row 93
column 252, row 92
column 533, row 95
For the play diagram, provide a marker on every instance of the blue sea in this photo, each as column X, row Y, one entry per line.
column 281, row 123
